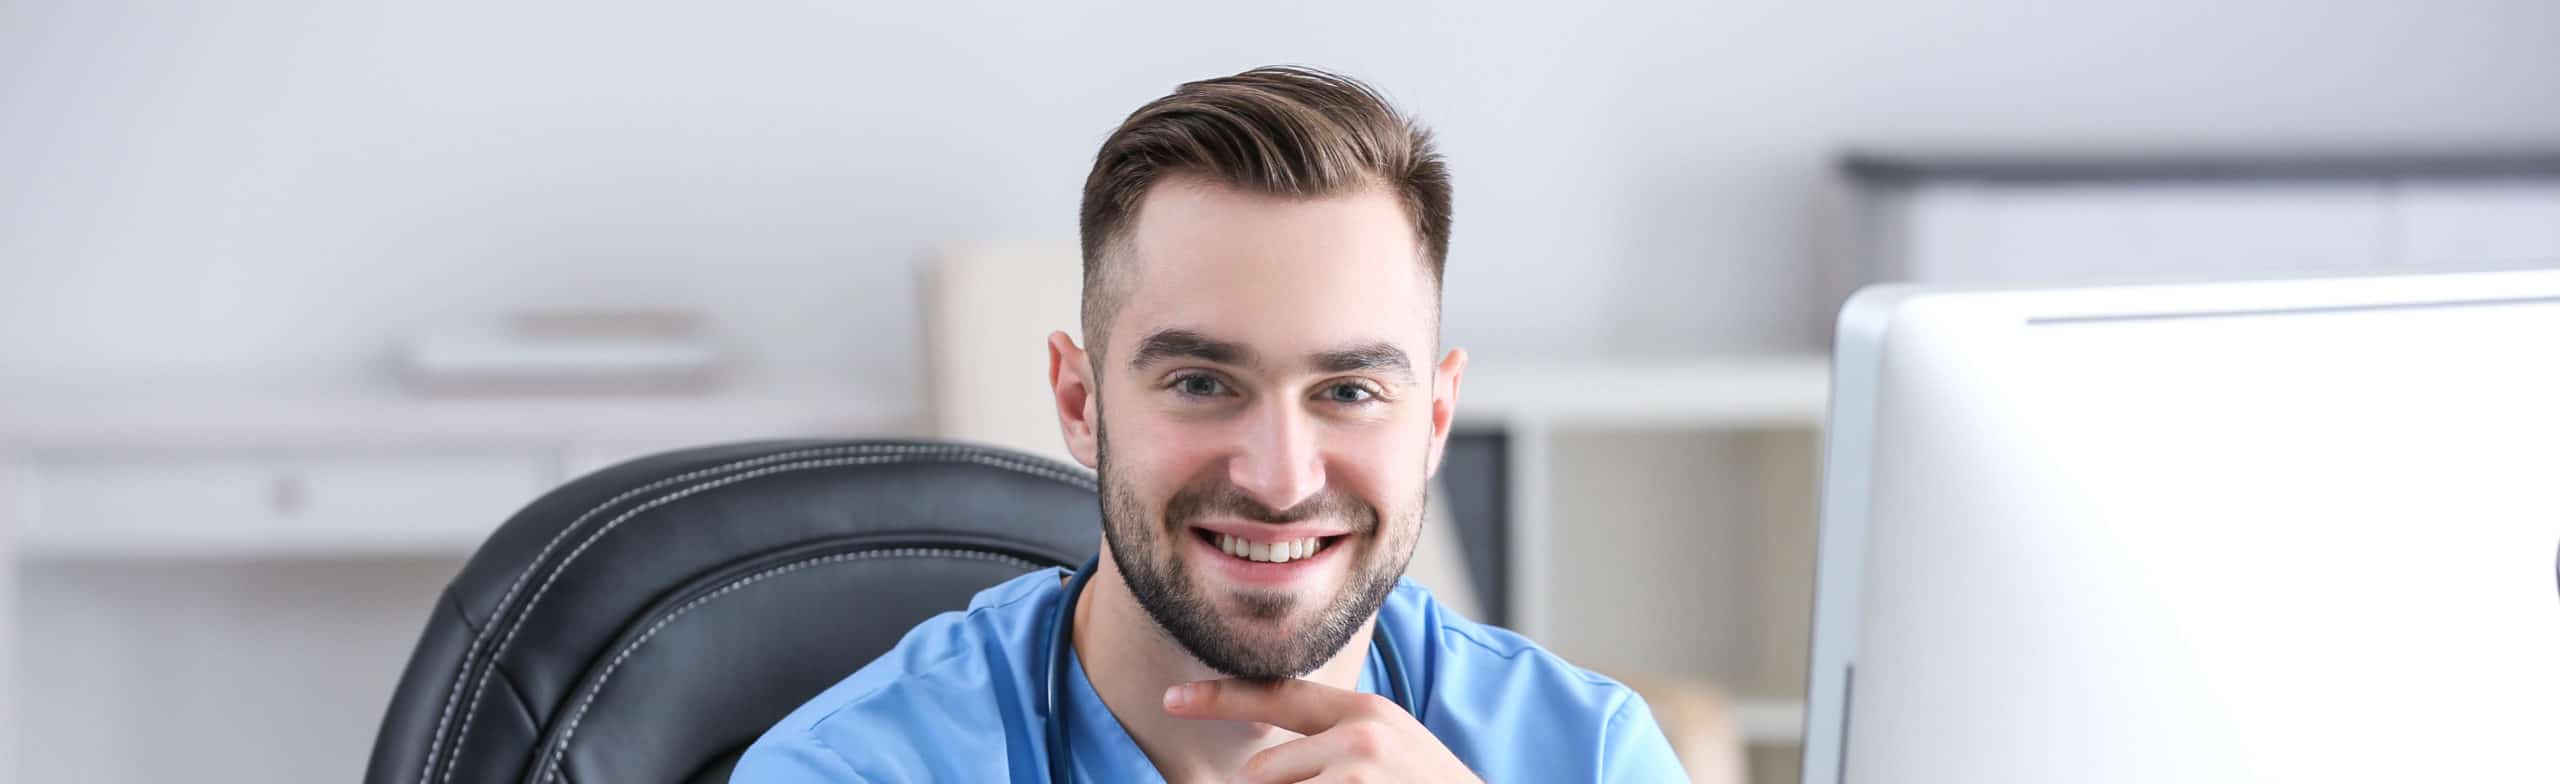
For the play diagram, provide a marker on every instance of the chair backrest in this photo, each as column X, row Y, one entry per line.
column 647, row 622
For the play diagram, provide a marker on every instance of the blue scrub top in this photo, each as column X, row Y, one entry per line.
column 959, row 700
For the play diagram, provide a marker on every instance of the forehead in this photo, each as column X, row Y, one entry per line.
column 1276, row 273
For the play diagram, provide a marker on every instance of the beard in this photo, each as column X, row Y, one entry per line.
column 1157, row 568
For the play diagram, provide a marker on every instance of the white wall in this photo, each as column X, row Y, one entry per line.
column 275, row 189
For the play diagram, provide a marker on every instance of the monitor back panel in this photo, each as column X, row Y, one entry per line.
column 2298, row 531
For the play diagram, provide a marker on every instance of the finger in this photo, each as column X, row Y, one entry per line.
column 1303, row 707
column 1297, row 760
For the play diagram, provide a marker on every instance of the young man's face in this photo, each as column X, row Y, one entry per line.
column 1269, row 387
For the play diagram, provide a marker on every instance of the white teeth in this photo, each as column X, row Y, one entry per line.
column 1267, row 552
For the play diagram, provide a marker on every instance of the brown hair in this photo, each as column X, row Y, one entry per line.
column 1279, row 130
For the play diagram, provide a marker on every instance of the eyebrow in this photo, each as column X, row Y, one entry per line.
column 1379, row 357
column 1180, row 343
column 1170, row 344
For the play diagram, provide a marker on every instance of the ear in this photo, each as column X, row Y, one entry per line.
column 1444, row 401
column 1071, row 387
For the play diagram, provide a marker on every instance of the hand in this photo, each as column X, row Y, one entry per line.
column 1350, row 736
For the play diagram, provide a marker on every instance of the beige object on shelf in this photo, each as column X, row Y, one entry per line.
column 1700, row 724
column 565, row 352
column 989, row 309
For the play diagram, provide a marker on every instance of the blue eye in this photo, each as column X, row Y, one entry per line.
column 1199, row 385
column 1349, row 394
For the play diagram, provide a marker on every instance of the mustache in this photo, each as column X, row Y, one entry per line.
column 1223, row 499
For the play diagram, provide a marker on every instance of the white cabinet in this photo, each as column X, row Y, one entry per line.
column 1975, row 223
column 1986, row 232
column 118, row 502
column 236, row 586
column 2502, row 221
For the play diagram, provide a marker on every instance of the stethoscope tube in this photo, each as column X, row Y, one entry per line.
column 1061, row 644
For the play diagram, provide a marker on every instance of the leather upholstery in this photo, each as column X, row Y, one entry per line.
column 645, row 623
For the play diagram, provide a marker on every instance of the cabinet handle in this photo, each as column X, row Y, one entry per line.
column 289, row 495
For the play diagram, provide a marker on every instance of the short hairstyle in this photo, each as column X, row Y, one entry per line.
column 1279, row 130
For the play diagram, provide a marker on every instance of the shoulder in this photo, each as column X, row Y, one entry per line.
column 1502, row 702
column 1458, row 650
column 959, row 679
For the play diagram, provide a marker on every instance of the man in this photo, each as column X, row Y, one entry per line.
column 1262, row 265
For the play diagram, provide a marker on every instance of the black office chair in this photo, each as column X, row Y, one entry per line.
column 646, row 622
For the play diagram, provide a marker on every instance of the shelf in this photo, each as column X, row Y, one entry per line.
column 316, row 545
column 1739, row 391
column 219, row 461
column 356, row 420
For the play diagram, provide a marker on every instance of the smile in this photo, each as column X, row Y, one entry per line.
column 1258, row 553
column 1267, row 552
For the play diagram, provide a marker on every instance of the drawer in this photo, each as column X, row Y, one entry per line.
column 256, row 496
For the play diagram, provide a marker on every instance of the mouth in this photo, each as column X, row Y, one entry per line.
column 1260, row 555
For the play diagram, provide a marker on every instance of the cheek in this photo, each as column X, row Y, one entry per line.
column 1156, row 456
column 1381, row 466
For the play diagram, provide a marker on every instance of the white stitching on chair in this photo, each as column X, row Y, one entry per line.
column 453, row 694
column 559, row 752
column 881, row 454
column 482, row 637
column 865, row 454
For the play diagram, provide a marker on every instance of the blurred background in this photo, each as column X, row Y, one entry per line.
column 299, row 299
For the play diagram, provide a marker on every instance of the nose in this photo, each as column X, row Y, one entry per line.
column 1278, row 463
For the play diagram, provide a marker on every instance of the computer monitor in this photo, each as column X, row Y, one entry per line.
column 2222, row 532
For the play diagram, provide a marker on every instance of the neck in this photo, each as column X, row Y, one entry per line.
column 1131, row 661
